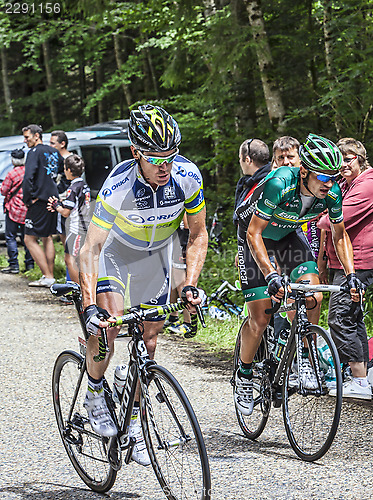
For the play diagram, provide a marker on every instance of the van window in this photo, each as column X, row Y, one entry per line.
column 125, row 153
column 98, row 164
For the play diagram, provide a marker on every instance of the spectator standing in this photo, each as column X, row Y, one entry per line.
column 286, row 152
column 253, row 157
column 15, row 211
column 60, row 142
column 76, row 208
column 349, row 333
column 42, row 165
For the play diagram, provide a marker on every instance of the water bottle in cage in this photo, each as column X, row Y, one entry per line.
column 281, row 343
column 120, row 375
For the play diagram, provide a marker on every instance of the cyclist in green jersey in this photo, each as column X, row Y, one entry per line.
column 269, row 226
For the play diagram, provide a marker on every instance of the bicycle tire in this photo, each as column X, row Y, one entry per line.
column 86, row 450
column 253, row 425
column 173, row 438
column 311, row 421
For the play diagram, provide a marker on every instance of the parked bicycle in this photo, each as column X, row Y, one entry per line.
column 311, row 417
column 171, row 431
column 216, row 231
column 220, row 306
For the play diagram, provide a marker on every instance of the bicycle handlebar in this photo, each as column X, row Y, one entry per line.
column 306, row 287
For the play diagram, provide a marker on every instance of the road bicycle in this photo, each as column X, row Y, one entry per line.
column 311, row 417
column 171, row 431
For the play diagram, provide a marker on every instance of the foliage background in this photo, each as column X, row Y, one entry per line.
column 226, row 69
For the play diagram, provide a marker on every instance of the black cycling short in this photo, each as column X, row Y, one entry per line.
column 293, row 254
column 39, row 221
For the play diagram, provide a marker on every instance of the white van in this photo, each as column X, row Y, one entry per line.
column 102, row 146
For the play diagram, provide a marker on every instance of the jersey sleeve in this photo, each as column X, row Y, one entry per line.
column 194, row 198
column 70, row 200
column 271, row 197
column 334, row 204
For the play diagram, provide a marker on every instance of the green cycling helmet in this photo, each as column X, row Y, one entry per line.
column 320, row 155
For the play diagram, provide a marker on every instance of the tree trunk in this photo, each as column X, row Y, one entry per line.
column 101, row 108
column 6, row 87
column 328, row 45
column 275, row 107
column 49, row 74
column 118, row 58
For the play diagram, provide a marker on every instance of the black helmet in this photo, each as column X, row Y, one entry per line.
column 151, row 128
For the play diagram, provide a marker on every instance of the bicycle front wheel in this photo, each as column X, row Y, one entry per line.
column 311, row 420
column 86, row 449
column 253, row 425
column 174, row 439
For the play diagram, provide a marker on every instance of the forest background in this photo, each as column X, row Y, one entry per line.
column 227, row 70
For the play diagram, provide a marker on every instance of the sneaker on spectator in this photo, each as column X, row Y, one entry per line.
column 42, row 282
column 98, row 413
column 140, row 453
column 10, row 270
column 243, row 395
column 309, row 379
column 351, row 389
column 181, row 329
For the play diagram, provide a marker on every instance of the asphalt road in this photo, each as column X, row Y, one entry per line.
column 33, row 464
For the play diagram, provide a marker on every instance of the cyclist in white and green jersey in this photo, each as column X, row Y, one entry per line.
column 128, row 249
column 268, row 227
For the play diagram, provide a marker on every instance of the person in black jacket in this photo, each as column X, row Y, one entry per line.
column 254, row 162
column 41, row 168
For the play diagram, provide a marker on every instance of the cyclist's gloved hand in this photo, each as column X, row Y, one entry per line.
column 197, row 292
column 354, row 282
column 92, row 316
column 274, row 281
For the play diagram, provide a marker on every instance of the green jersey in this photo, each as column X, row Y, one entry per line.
column 277, row 199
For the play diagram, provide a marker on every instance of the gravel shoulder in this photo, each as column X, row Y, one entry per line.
column 35, row 328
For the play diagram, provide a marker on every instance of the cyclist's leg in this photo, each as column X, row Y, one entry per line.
column 254, row 289
column 252, row 331
column 111, row 286
column 297, row 260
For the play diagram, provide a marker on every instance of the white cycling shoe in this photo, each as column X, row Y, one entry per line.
column 140, row 453
column 99, row 415
column 243, row 395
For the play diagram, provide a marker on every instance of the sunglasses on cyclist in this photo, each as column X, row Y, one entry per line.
column 159, row 160
column 325, row 177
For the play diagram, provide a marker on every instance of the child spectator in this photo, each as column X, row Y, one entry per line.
column 76, row 208
column 15, row 210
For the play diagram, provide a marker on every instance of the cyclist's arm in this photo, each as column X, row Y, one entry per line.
column 256, row 244
column 89, row 259
column 197, row 246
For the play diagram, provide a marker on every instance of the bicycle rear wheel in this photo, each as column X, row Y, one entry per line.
column 174, row 439
column 311, row 421
column 253, row 425
column 86, row 449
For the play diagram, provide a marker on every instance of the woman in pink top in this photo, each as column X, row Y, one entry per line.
column 349, row 334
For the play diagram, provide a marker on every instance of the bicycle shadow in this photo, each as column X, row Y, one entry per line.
column 232, row 443
column 39, row 491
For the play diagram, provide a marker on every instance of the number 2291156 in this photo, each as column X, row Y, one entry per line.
column 32, row 8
